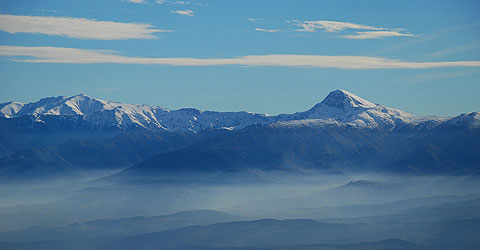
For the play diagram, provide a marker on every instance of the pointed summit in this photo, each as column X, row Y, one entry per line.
column 83, row 104
column 343, row 100
column 80, row 95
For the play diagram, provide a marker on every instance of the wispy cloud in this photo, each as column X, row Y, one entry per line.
column 267, row 30
column 376, row 34
column 334, row 26
column 454, row 50
column 79, row 28
column 329, row 26
column 72, row 55
column 255, row 20
column 134, row 1
column 183, row 12
column 174, row 2
column 46, row 10
column 182, row 2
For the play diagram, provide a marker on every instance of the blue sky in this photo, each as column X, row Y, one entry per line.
column 262, row 56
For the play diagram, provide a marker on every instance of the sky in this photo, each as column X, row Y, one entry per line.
column 265, row 56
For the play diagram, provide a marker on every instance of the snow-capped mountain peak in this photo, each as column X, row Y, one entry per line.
column 10, row 109
column 340, row 108
column 103, row 114
column 74, row 105
column 344, row 100
column 470, row 120
column 345, row 107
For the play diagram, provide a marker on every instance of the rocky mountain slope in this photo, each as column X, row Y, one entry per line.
column 342, row 134
column 339, row 106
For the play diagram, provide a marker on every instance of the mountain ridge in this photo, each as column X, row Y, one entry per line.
column 340, row 106
column 342, row 134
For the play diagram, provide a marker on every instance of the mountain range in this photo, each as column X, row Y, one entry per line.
column 339, row 107
column 342, row 134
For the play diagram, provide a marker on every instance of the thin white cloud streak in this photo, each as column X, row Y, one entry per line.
column 183, row 12
column 334, row 26
column 182, row 2
column 174, row 2
column 330, row 26
column 267, row 30
column 376, row 34
column 46, row 10
column 134, row 1
column 83, row 56
column 449, row 51
column 255, row 20
column 79, row 28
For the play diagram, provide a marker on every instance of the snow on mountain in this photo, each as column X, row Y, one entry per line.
column 342, row 99
column 101, row 113
column 340, row 107
column 311, row 123
column 345, row 107
column 470, row 120
column 10, row 109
